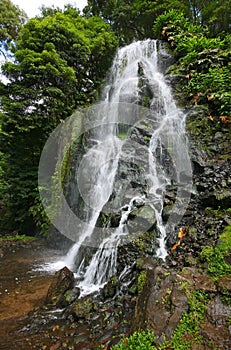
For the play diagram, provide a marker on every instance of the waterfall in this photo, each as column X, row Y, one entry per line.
column 134, row 71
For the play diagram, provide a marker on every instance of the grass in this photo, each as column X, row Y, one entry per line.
column 17, row 237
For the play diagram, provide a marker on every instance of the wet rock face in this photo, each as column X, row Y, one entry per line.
column 217, row 312
column 214, row 185
column 62, row 282
column 110, row 288
column 208, row 211
column 142, row 218
column 133, row 247
column 165, row 59
column 83, row 307
column 166, row 295
column 224, row 284
column 215, row 329
column 161, row 303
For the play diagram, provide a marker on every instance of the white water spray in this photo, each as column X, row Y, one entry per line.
column 98, row 168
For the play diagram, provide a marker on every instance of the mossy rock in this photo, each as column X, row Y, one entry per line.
column 83, row 307
column 142, row 219
column 62, row 282
column 110, row 288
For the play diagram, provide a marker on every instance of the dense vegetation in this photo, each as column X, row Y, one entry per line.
column 203, row 59
column 58, row 63
column 61, row 58
column 11, row 19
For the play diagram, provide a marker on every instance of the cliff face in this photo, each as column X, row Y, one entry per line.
column 186, row 299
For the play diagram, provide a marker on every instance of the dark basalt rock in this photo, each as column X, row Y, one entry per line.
column 143, row 218
column 165, row 59
column 83, row 307
column 110, row 288
column 135, row 246
column 62, row 282
column 161, row 303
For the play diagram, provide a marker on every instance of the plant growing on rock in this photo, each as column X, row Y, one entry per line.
column 204, row 60
column 215, row 256
column 137, row 341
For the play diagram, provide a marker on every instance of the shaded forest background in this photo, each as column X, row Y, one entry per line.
column 57, row 62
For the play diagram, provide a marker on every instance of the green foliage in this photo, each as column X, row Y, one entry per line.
column 214, row 256
column 226, row 298
column 11, row 19
column 60, row 61
column 17, row 237
column 133, row 19
column 39, row 216
column 218, row 213
column 184, row 36
column 137, row 341
column 141, row 281
column 174, row 20
column 216, row 15
column 212, row 89
column 202, row 59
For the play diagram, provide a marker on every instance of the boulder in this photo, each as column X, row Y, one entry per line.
column 62, row 282
column 217, row 312
column 70, row 296
column 161, row 303
column 142, row 219
column 110, row 288
column 134, row 246
column 83, row 307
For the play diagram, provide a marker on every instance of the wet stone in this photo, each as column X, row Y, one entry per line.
column 217, row 312
column 63, row 281
column 109, row 290
column 224, row 284
column 82, row 308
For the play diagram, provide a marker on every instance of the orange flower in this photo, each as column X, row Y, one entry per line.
column 176, row 245
column 225, row 119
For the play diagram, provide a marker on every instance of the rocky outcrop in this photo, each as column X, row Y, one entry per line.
column 161, row 303
column 62, row 283
column 83, row 307
column 146, row 293
column 168, row 295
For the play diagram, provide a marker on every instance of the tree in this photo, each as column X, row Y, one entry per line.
column 216, row 15
column 132, row 19
column 60, row 61
column 11, row 19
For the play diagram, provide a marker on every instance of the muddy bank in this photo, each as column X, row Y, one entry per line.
column 21, row 287
column 26, row 322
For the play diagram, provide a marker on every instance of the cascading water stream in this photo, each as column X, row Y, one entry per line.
column 100, row 183
column 123, row 87
column 103, row 263
column 99, row 166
